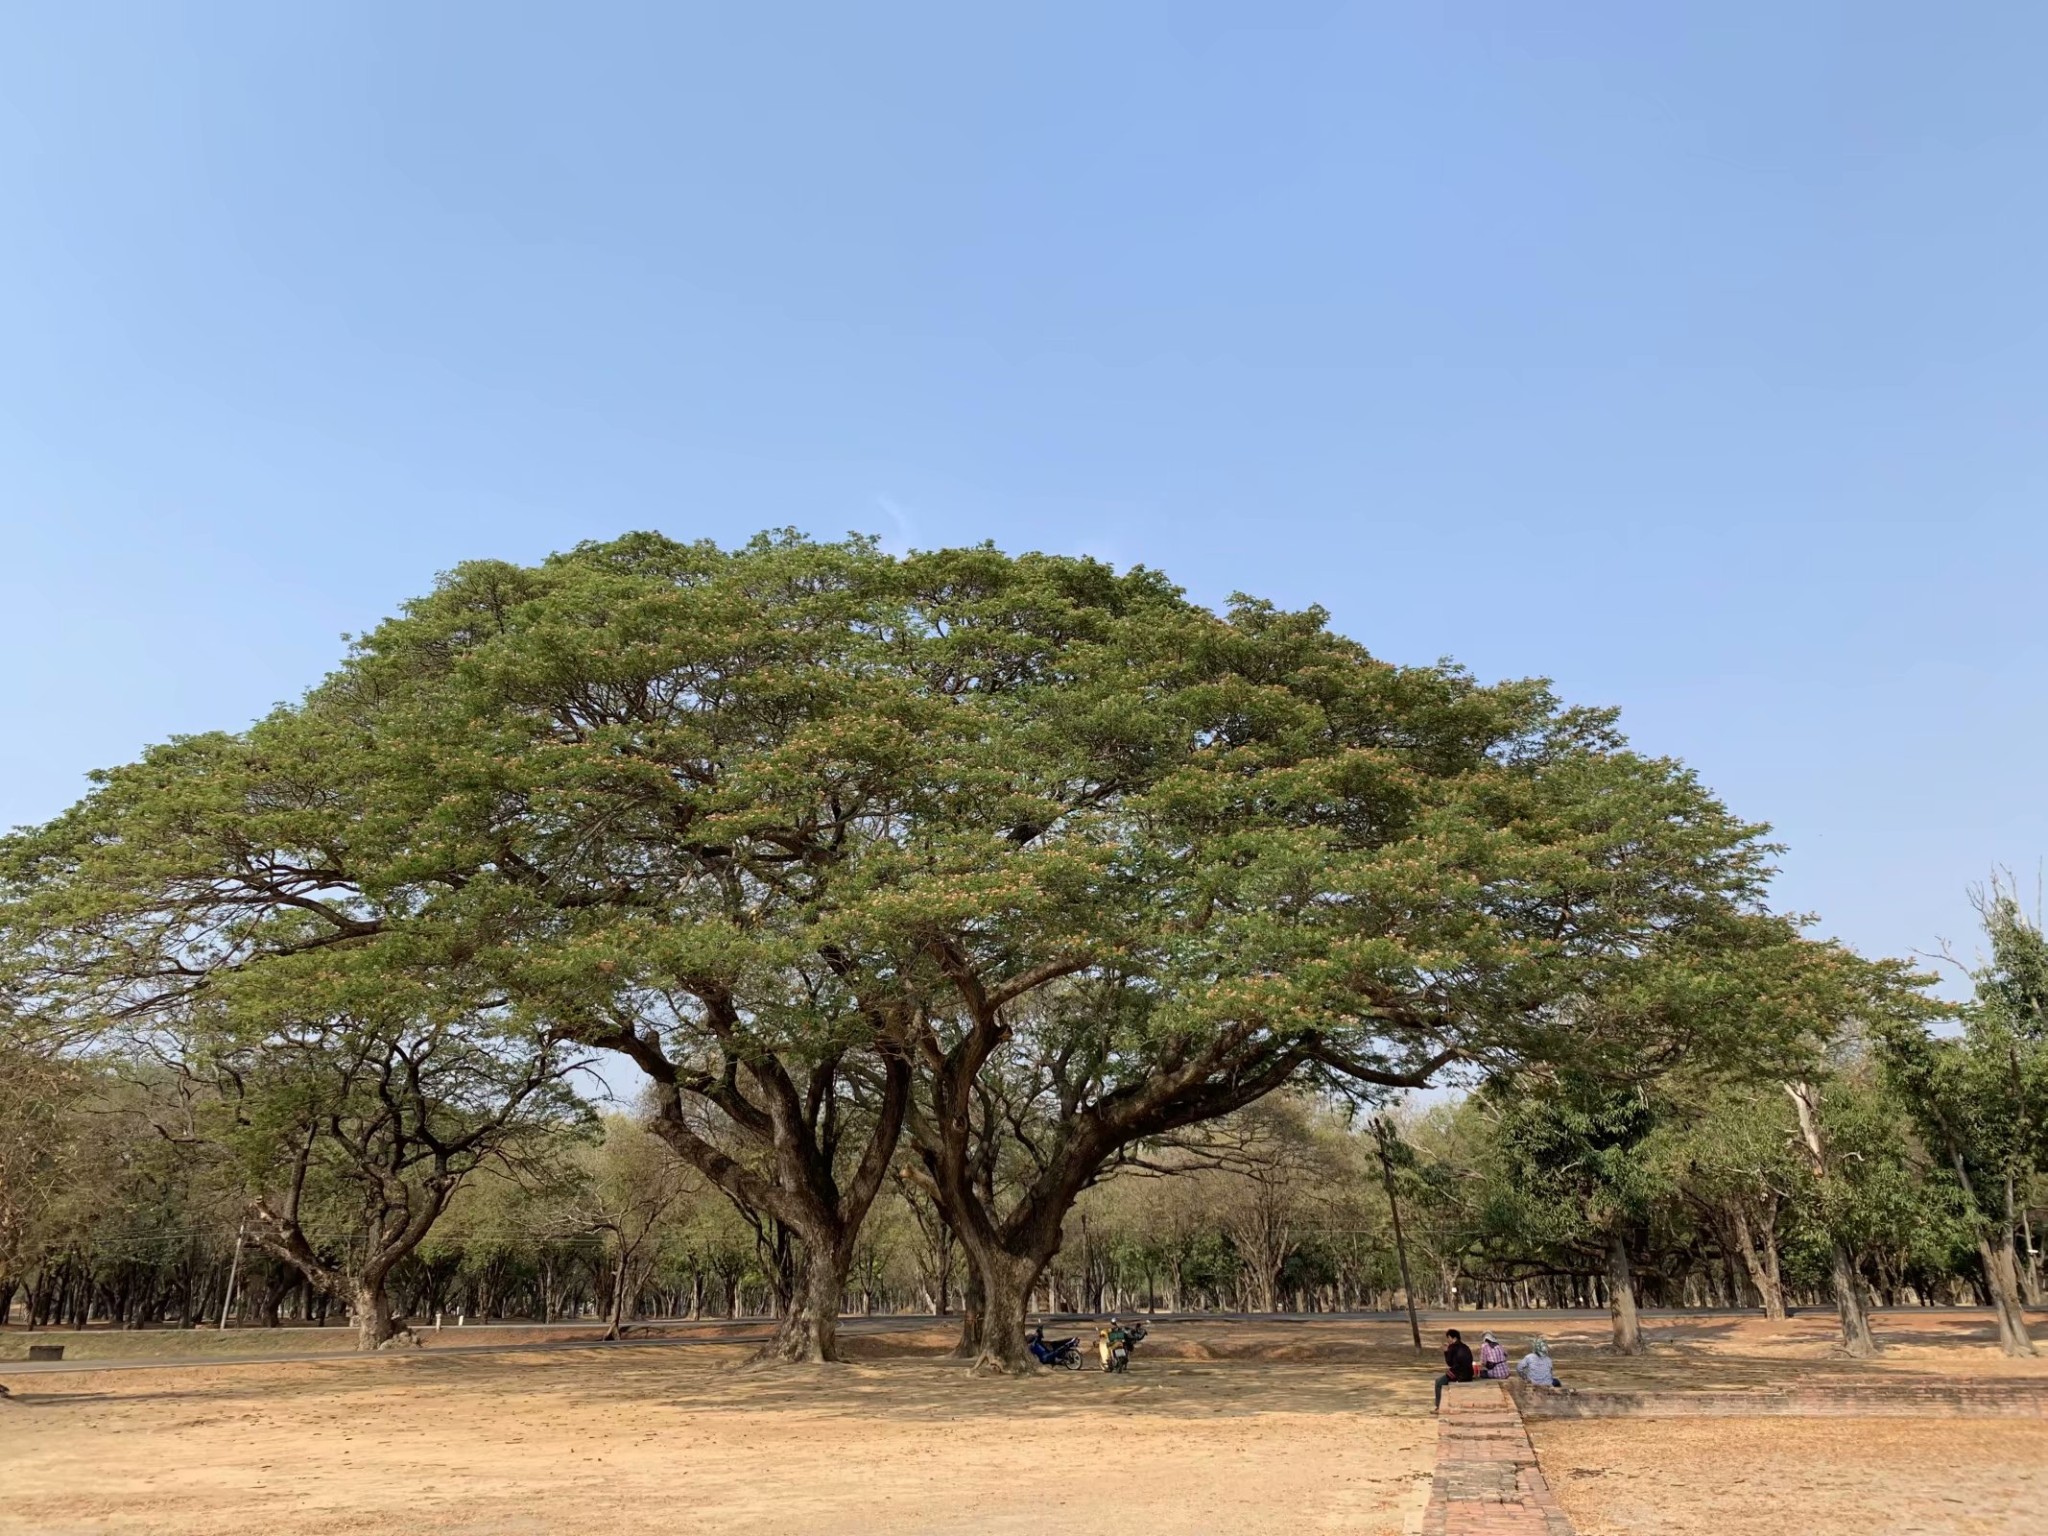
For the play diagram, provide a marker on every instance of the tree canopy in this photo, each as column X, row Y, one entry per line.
column 995, row 851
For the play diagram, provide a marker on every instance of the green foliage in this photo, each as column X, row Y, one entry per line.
column 1980, row 1100
column 785, row 823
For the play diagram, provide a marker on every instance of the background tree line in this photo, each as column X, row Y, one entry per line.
column 1278, row 1208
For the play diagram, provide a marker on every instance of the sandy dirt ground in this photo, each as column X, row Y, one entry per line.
column 238, row 1343
column 1266, row 1427
column 1817, row 1477
column 1728, row 1352
column 676, row 1439
column 1696, row 1350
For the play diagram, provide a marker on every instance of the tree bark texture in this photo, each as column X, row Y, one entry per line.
column 374, row 1325
column 809, row 1331
column 1006, row 1283
column 1847, row 1285
column 1761, row 1265
column 971, row 1309
column 2001, row 1273
column 1621, row 1296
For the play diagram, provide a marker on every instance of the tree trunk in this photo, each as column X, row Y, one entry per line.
column 1621, row 1296
column 1265, row 1296
column 1382, row 1135
column 802, row 1193
column 1770, row 1289
column 615, row 1325
column 809, row 1331
column 1848, row 1288
column 1005, row 1300
column 1774, row 1270
column 971, row 1308
column 2001, row 1275
column 1009, row 1252
column 373, row 1315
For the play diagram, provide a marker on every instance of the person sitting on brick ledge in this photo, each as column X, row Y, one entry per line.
column 1458, row 1359
column 1535, row 1367
column 1493, row 1359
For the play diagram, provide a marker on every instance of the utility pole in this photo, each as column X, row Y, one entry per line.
column 1382, row 1135
column 234, row 1274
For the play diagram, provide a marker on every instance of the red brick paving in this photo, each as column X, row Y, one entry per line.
column 1487, row 1482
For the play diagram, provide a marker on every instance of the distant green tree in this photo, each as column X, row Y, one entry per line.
column 1729, row 1153
column 1575, row 1152
column 1981, row 1100
column 39, row 1152
column 351, row 1131
column 634, row 1193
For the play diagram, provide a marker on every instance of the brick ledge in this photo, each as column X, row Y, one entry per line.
column 2026, row 1399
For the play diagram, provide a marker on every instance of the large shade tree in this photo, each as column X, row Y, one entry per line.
column 1333, row 869
column 800, row 827
column 830, row 844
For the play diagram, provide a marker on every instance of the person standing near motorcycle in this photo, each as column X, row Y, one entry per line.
column 1114, row 1345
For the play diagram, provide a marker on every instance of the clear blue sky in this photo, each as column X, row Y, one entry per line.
column 1690, row 355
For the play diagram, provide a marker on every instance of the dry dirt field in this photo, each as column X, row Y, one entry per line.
column 1247, row 1428
column 157, row 1344
column 1817, row 1477
column 671, row 1438
column 1814, row 1477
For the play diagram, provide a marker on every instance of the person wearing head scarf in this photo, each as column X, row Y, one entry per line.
column 1493, row 1359
column 1535, row 1367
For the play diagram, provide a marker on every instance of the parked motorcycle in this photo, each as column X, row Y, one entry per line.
column 1063, row 1354
column 1116, row 1342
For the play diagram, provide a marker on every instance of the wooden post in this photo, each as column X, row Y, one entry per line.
column 234, row 1273
column 1382, row 1134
